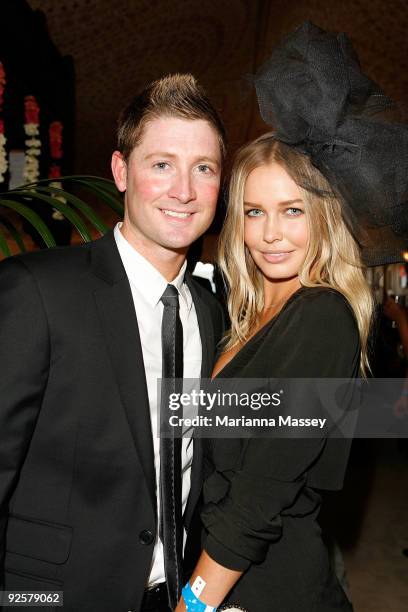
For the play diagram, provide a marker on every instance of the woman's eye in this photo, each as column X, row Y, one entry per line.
column 294, row 212
column 254, row 212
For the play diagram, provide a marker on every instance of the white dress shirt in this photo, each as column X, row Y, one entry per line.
column 147, row 286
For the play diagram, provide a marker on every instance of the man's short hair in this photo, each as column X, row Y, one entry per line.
column 175, row 95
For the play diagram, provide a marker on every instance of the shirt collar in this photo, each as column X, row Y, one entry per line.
column 145, row 277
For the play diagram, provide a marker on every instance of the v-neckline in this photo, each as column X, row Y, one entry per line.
column 262, row 329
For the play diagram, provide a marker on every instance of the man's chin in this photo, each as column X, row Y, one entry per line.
column 181, row 243
column 179, row 249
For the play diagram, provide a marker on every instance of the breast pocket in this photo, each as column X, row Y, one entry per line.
column 35, row 550
column 45, row 541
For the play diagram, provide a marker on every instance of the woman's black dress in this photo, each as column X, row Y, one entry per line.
column 260, row 496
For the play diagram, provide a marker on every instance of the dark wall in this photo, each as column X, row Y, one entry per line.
column 35, row 67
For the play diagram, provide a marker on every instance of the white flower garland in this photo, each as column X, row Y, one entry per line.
column 33, row 143
column 3, row 157
column 3, row 140
column 56, row 214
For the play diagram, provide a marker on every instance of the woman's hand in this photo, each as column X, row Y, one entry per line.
column 181, row 606
column 218, row 581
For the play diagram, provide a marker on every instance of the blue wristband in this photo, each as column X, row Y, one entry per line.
column 193, row 604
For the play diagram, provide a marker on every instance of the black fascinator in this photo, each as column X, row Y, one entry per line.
column 314, row 95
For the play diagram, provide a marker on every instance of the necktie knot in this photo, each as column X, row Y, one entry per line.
column 170, row 296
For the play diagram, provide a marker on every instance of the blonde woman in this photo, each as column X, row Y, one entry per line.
column 300, row 308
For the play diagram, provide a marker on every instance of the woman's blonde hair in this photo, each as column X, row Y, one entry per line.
column 332, row 257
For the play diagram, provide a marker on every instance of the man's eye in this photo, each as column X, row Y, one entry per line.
column 160, row 165
column 204, row 169
column 254, row 212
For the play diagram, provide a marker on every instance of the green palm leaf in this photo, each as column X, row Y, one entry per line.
column 77, row 211
column 84, row 208
column 4, row 247
column 70, row 214
column 103, row 194
column 31, row 217
column 105, row 189
column 10, row 227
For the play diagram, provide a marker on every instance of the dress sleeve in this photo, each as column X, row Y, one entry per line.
column 317, row 338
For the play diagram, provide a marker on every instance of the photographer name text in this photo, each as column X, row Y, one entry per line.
column 243, row 421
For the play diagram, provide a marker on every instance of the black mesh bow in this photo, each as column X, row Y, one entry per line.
column 314, row 95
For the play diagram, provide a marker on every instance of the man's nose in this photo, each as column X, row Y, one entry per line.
column 182, row 187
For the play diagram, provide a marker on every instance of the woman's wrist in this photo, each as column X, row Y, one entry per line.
column 191, row 596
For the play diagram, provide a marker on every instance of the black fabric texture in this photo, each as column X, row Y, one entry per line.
column 312, row 92
column 78, row 507
column 262, row 496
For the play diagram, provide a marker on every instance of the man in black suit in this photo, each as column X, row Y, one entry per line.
column 80, row 354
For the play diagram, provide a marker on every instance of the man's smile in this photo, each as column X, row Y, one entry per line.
column 176, row 214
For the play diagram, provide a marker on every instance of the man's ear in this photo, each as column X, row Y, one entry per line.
column 119, row 170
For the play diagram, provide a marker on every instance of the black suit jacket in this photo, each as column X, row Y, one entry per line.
column 77, row 481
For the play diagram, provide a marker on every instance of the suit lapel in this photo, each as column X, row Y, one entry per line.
column 119, row 322
column 206, row 327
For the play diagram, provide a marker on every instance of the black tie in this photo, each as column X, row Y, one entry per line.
column 170, row 446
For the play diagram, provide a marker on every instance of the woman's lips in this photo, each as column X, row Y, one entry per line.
column 277, row 257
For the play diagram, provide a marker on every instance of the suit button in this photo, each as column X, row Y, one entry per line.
column 146, row 537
